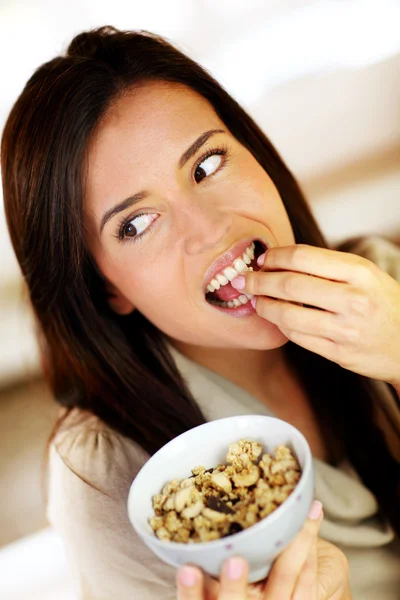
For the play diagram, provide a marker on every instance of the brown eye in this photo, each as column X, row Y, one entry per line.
column 137, row 226
column 210, row 165
column 130, row 230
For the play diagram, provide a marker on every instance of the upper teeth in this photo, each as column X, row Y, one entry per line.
column 238, row 266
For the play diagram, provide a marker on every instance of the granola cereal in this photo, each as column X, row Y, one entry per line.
column 218, row 502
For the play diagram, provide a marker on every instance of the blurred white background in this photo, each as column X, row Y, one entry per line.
column 321, row 77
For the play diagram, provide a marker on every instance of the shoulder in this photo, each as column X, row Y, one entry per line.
column 384, row 253
column 96, row 454
column 91, row 469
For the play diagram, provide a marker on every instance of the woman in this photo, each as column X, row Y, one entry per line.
column 131, row 181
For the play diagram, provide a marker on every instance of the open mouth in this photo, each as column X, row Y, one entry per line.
column 220, row 292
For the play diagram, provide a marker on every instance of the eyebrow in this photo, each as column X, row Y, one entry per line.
column 128, row 202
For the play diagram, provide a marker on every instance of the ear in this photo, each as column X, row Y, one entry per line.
column 117, row 301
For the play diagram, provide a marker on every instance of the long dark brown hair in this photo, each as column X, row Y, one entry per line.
column 120, row 367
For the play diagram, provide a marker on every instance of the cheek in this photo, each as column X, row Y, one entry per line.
column 261, row 197
column 275, row 213
column 154, row 287
column 278, row 220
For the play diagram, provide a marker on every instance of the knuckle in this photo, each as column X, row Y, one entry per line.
column 360, row 304
column 340, row 330
column 341, row 357
column 365, row 271
column 287, row 319
column 253, row 284
column 288, row 285
column 297, row 253
column 350, row 334
column 323, row 325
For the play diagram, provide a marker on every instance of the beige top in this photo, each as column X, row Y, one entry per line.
column 108, row 557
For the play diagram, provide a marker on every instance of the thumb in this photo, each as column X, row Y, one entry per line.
column 288, row 566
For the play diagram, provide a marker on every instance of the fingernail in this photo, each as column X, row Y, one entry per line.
column 315, row 510
column 260, row 259
column 239, row 282
column 253, row 301
column 234, row 568
column 187, row 576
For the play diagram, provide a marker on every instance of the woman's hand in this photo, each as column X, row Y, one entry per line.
column 308, row 569
column 359, row 324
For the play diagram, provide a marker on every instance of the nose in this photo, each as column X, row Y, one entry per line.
column 206, row 227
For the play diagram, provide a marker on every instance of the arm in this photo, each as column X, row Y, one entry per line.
column 106, row 554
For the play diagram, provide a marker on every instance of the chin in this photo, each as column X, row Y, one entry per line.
column 265, row 337
column 268, row 338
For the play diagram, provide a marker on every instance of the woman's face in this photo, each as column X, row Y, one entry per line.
column 159, row 249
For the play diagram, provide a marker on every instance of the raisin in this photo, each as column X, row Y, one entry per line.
column 234, row 528
column 218, row 505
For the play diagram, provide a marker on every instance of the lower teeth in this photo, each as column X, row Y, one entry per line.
column 243, row 299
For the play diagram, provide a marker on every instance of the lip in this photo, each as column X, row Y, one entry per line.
column 240, row 311
column 226, row 259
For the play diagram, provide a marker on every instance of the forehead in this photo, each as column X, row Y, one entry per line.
column 147, row 128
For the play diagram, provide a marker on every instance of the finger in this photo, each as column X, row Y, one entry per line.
column 301, row 319
column 255, row 591
column 190, row 583
column 297, row 287
column 321, row 262
column 211, row 587
column 287, row 567
column 319, row 345
column 306, row 585
column 234, row 579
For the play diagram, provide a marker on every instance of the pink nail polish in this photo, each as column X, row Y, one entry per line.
column 239, row 282
column 234, row 568
column 315, row 510
column 260, row 259
column 187, row 576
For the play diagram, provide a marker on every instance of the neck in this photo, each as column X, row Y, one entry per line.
column 253, row 370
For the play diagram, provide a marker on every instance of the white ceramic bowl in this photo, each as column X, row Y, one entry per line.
column 207, row 445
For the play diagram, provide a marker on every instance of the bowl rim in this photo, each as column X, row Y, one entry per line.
column 276, row 514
